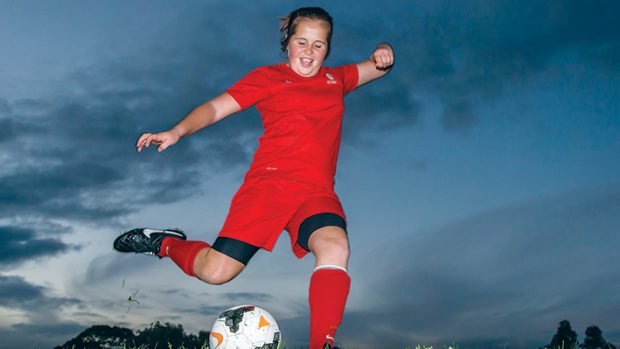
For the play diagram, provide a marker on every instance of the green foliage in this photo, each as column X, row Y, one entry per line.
column 565, row 338
column 156, row 336
column 100, row 336
column 594, row 339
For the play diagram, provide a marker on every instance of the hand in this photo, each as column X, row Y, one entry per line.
column 383, row 57
column 164, row 139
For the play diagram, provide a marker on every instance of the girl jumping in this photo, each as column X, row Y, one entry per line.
column 290, row 183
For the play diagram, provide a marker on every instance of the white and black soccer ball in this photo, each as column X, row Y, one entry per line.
column 245, row 327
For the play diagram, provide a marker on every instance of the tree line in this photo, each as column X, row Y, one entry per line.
column 566, row 338
column 174, row 336
column 155, row 336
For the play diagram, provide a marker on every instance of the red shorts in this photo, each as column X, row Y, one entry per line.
column 262, row 208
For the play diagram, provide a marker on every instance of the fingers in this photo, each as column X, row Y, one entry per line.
column 165, row 139
column 149, row 138
column 142, row 141
column 383, row 57
column 163, row 146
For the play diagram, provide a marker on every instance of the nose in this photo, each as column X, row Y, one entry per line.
column 309, row 49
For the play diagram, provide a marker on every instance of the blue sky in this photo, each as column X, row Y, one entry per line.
column 480, row 177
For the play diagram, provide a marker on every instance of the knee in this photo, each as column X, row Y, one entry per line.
column 216, row 268
column 336, row 245
column 215, row 275
column 340, row 246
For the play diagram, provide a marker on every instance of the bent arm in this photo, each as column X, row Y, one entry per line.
column 206, row 114
column 378, row 65
column 202, row 116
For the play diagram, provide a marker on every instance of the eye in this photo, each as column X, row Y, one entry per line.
column 301, row 42
column 319, row 46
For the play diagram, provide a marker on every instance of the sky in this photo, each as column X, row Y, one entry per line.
column 480, row 178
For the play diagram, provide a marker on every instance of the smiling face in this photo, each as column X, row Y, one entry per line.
column 307, row 47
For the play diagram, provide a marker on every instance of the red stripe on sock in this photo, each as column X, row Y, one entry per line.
column 182, row 252
column 329, row 289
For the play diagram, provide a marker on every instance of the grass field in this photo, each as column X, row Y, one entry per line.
column 284, row 346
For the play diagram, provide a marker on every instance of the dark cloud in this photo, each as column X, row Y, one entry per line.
column 247, row 297
column 11, row 129
column 84, row 167
column 175, row 319
column 42, row 331
column 18, row 245
column 73, row 156
column 42, row 327
column 5, row 108
column 7, row 130
column 468, row 54
column 378, row 107
column 15, row 291
column 106, row 268
column 495, row 45
column 206, row 310
column 56, row 190
column 12, row 339
column 39, row 336
column 227, row 300
column 177, row 292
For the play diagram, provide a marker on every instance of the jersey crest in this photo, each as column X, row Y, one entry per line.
column 330, row 79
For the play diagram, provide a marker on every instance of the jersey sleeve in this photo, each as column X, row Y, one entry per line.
column 251, row 89
column 349, row 75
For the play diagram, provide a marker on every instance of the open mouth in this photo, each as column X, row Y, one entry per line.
column 306, row 62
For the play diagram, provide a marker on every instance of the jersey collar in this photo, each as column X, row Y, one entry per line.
column 290, row 71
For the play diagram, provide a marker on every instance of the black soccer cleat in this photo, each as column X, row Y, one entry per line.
column 146, row 240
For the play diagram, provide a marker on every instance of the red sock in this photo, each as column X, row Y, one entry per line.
column 329, row 289
column 182, row 252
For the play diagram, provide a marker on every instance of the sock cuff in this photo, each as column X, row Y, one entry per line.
column 196, row 247
column 330, row 266
column 183, row 252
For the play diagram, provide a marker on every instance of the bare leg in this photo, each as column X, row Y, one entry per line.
column 330, row 246
column 216, row 268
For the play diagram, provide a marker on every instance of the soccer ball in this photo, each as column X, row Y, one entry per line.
column 245, row 327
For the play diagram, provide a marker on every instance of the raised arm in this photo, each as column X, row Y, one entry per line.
column 379, row 64
column 202, row 116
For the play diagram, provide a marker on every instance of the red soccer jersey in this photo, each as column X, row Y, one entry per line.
column 302, row 119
